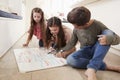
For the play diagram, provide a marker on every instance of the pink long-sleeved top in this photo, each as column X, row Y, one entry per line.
column 37, row 32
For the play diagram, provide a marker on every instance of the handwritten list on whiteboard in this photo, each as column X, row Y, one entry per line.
column 31, row 59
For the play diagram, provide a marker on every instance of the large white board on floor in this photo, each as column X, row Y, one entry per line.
column 31, row 59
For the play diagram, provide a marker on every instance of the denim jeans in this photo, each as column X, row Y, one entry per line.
column 90, row 56
column 41, row 43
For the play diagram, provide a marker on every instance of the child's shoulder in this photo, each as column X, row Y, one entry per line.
column 66, row 28
column 96, row 21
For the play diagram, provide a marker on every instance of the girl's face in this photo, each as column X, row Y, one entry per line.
column 37, row 17
column 54, row 30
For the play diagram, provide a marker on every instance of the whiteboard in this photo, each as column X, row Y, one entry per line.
column 31, row 59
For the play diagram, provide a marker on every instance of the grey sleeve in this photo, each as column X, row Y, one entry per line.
column 112, row 38
column 72, row 41
column 116, row 40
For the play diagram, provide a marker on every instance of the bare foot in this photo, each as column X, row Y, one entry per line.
column 90, row 73
column 113, row 68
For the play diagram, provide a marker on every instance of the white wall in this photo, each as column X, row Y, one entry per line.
column 11, row 29
column 11, row 6
column 30, row 4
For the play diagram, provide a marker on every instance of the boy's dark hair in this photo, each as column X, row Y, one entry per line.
column 79, row 16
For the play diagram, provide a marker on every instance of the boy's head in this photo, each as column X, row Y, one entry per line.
column 79, row 16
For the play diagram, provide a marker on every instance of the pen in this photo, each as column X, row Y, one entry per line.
column 51, row 51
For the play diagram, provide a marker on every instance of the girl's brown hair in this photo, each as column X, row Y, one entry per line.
column 61, row 42
column 32, row 23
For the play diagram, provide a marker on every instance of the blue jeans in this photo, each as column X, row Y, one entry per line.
column 90, row 56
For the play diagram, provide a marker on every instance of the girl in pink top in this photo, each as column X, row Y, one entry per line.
column 37, row 26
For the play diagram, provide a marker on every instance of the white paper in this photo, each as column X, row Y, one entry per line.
column 30, row 59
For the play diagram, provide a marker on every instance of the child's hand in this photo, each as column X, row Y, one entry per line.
column 25, row 45
column 60, row 55
column 102, row 39
column 51, row 50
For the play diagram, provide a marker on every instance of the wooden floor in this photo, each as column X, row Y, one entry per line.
column 9, row 69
